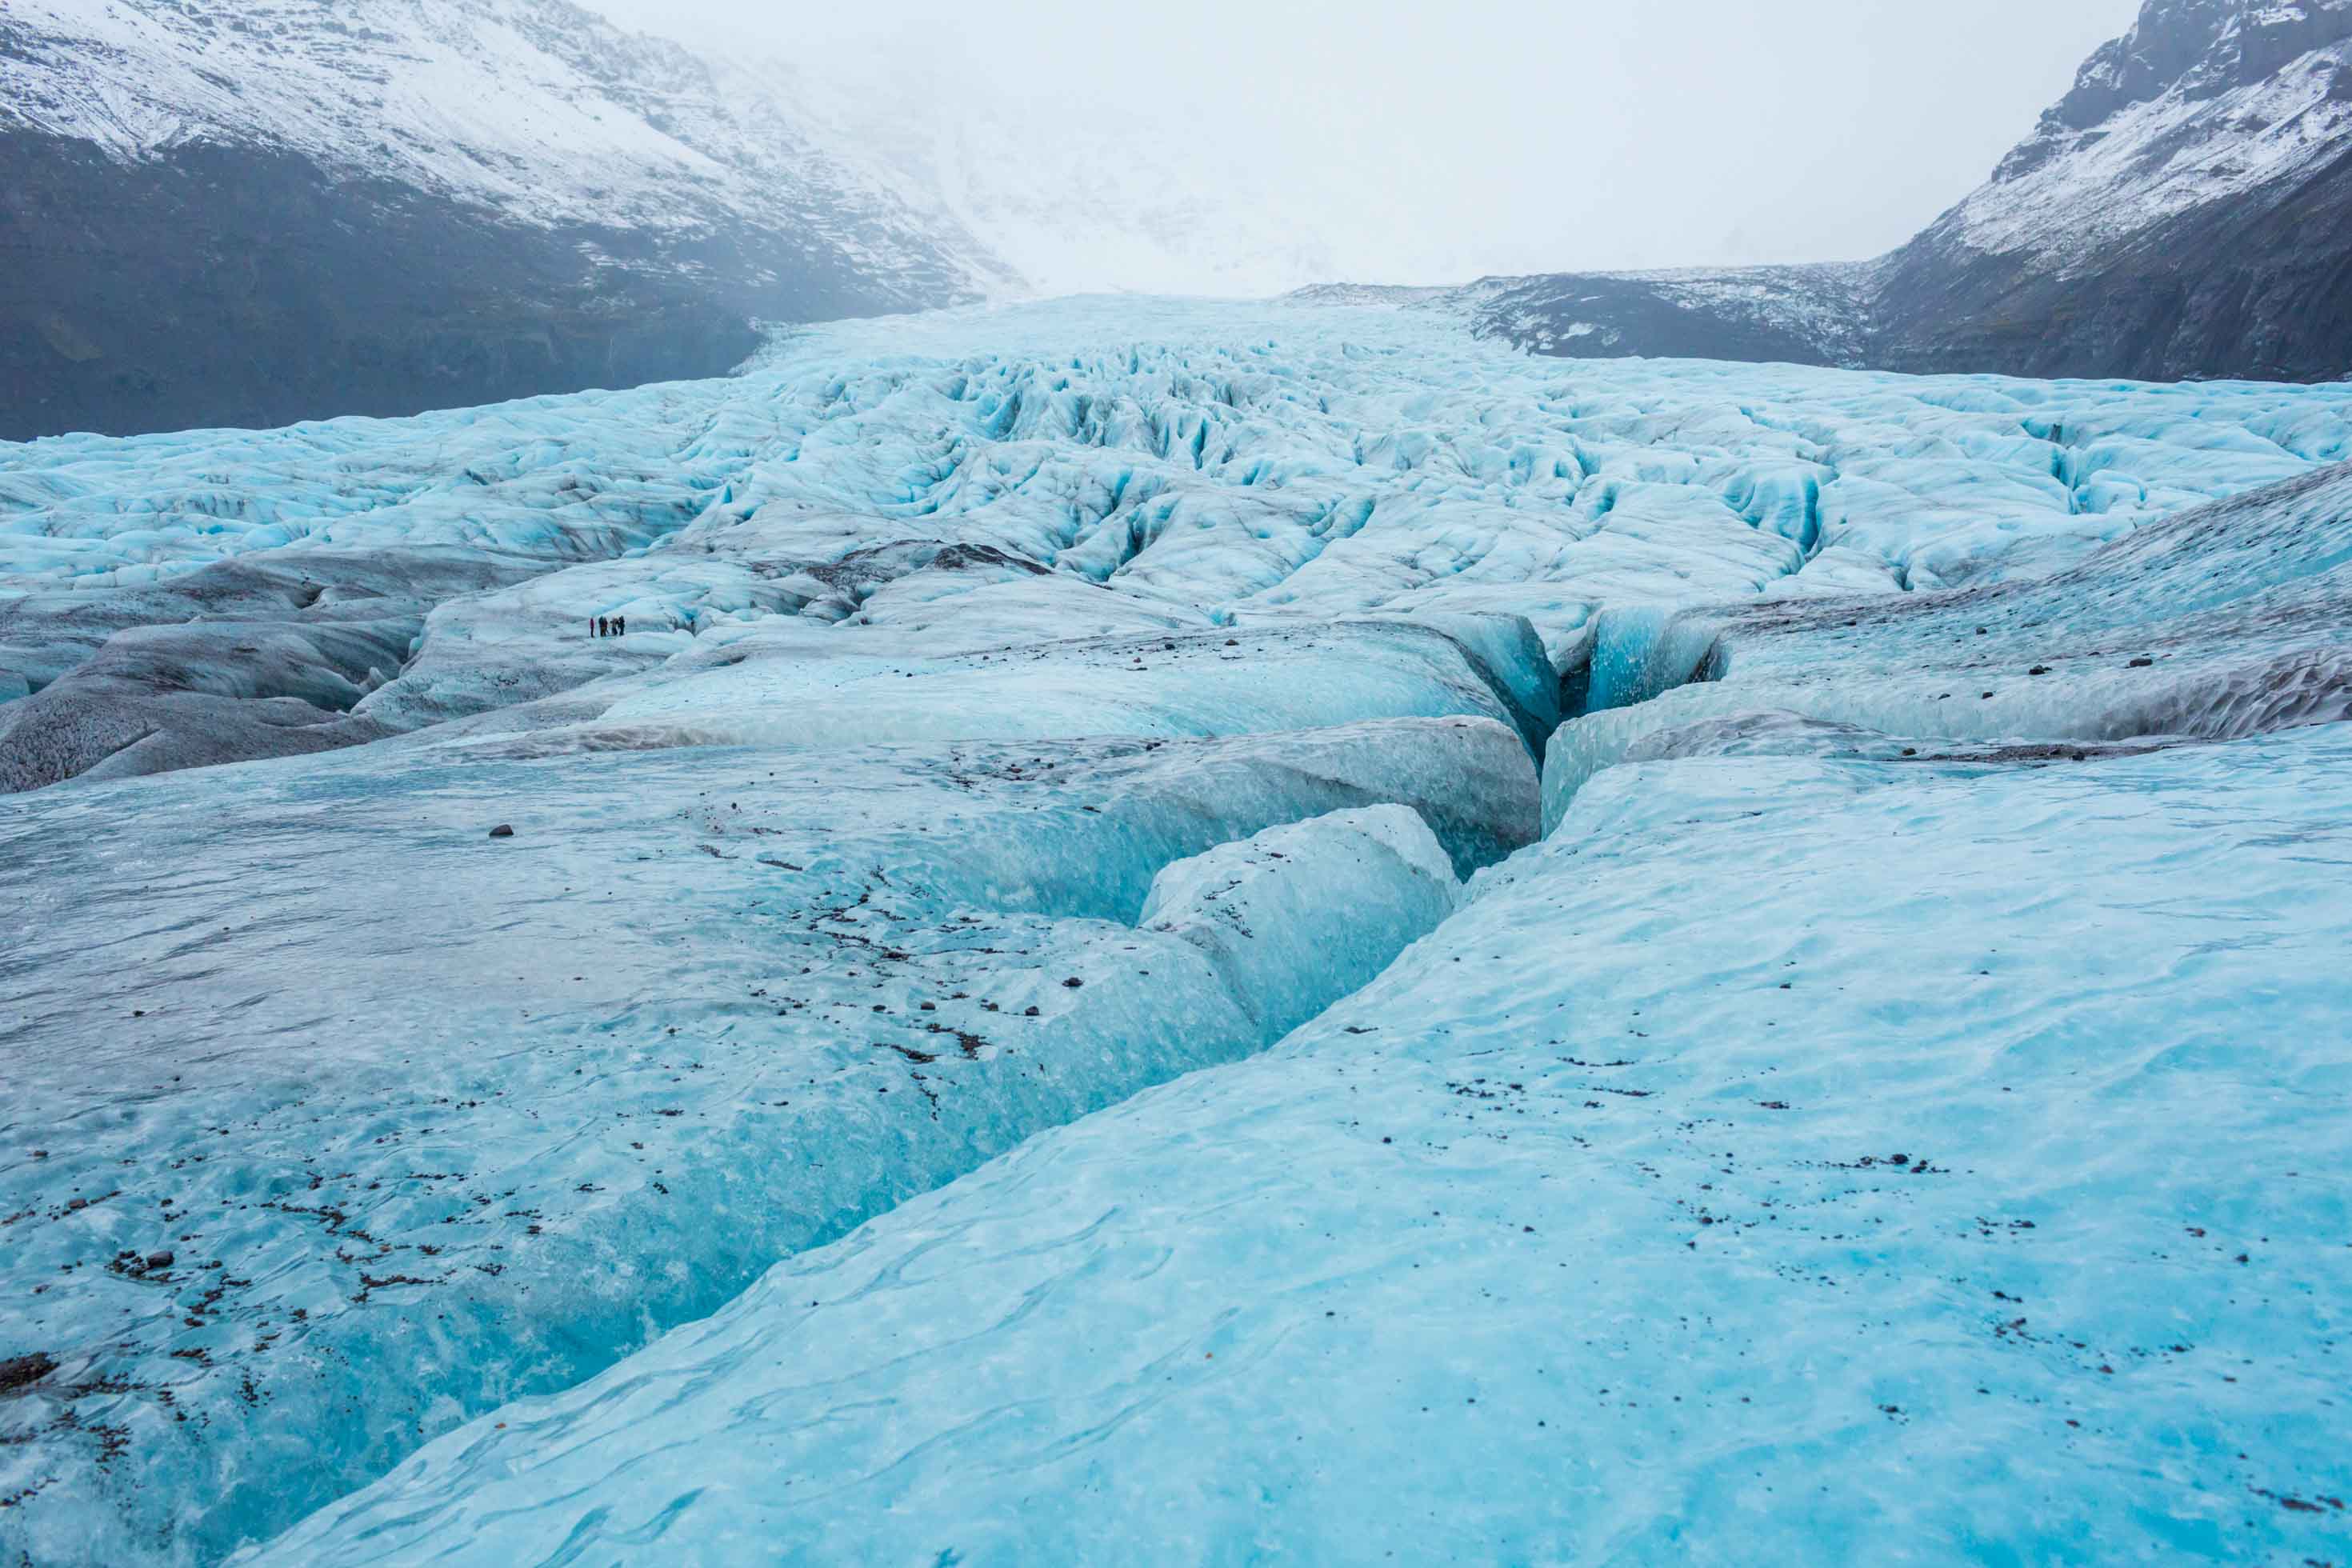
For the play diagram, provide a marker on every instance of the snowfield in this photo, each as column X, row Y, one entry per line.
column 1183, row 933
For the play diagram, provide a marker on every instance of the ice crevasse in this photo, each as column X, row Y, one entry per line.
column 447, row 1129
column 1943, row 1159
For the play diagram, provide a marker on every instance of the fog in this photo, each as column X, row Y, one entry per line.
column 1405, row 142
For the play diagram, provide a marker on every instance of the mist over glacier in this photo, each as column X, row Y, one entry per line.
column 1245, row 151
column 1264, row 919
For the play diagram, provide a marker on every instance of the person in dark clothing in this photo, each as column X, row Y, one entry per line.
column 592, row 626
column 620, row 625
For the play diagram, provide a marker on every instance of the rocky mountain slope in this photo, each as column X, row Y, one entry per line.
column 2185, row 211
column 289, row 208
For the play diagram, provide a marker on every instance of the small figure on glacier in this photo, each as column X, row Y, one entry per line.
column 592, row 626
column 620, row 625
column 602, row 627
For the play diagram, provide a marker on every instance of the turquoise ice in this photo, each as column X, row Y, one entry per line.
column 970, row 480
column 1788, row 1161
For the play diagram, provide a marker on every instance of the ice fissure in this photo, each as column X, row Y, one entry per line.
column 2228, row 621
column 518, row 1174
column 1708, row 1101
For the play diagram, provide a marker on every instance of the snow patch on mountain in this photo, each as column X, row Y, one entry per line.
column 536, row 109
column 2072, row 194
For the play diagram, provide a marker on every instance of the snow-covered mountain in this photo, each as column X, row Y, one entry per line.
column 536, row 107
column 292, row 208
column 2202, row 101
column 2186, row 210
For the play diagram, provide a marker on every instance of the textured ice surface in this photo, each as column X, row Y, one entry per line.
column 1788, row 1160
column 993, row 478
column 2230, row 619
column 1262, row 910
column 1164, row 668
column 416, row 1121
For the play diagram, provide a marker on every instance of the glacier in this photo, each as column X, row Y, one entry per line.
column 1188, row 931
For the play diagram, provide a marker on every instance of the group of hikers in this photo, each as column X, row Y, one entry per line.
column 608, row 625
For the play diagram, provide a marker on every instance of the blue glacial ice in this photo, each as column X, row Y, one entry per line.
column 973, row 480
column 374, row 1121
column 1790, row 1160
column 1267, row 911
column 1037, row 1001
column 2226, row 621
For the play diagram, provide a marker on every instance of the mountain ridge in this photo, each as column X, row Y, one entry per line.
column 2184, row 211
column 384, row 205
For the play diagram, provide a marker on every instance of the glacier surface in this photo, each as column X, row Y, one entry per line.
column 1258, row 929
column 1790, row 1160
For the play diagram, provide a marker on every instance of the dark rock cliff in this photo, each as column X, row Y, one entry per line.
column 209, row 217
column 222, row 285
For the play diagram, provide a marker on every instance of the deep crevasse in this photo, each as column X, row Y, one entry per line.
column 1789, row 1160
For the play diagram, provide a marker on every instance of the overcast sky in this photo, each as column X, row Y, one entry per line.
column 1485, row 135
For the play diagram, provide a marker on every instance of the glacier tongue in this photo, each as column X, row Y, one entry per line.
column 839, row 1111
column 979, row 480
